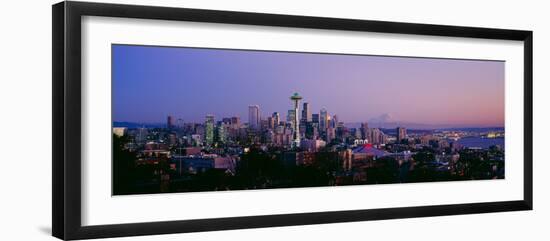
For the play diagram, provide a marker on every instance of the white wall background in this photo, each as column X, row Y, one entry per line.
column 25, row 136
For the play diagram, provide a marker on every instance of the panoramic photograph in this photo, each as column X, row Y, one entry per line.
column 203, row 119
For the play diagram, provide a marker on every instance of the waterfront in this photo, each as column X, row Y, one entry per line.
column 481, row 142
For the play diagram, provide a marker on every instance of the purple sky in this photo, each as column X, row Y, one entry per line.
column 150, row 83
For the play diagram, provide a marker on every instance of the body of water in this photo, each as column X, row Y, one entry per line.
column 481, row 142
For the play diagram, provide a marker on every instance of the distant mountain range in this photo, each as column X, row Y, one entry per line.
column 385, row 126
column 386, row 121
column 137, row 125
column 418, row 126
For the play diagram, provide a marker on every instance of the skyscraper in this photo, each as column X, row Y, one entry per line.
column 296, row 135
column 331, row 134
column 271, row 122
column 334, row 121
column 364, row 131
column 323, row 121
column 235, row 122
column 180, row 123
column 276, row 118
column 254, row 116
column 170, row 122
column 221, row 134
column 209, row 130
column 306, row 113
column 401, row 134
column 315, row 118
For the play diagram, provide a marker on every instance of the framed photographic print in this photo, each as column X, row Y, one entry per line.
column 170, row 120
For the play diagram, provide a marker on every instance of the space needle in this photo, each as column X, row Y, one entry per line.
column 296, row 135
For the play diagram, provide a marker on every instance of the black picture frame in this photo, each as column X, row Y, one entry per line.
column 66, row 47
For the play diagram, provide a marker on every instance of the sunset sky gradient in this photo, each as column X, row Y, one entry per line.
column 150, row 83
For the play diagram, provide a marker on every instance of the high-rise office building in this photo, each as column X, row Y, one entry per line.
column 334, row 121
column 209, row 130
column 270, row 122
column 401, row 134
column 306, row 113
column 331, row 134
column 254, row 116
column 315, row 118
column 363, row 130
column 295, row 98
column 276, row 118
column 170, row 122
column 323, row 120
column 235, row 122
column 264, row 124
column 221, row 135
column 180, row 123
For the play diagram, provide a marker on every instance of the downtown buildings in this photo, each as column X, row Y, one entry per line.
column 254, row 116
column 300, row 128
column 222, row 152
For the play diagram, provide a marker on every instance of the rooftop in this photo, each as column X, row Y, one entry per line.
column 370, row 150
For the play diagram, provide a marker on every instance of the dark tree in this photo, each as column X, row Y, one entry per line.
column 123, row 167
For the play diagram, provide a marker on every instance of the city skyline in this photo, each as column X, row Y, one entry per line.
column 150, row 83
column 244, row 120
